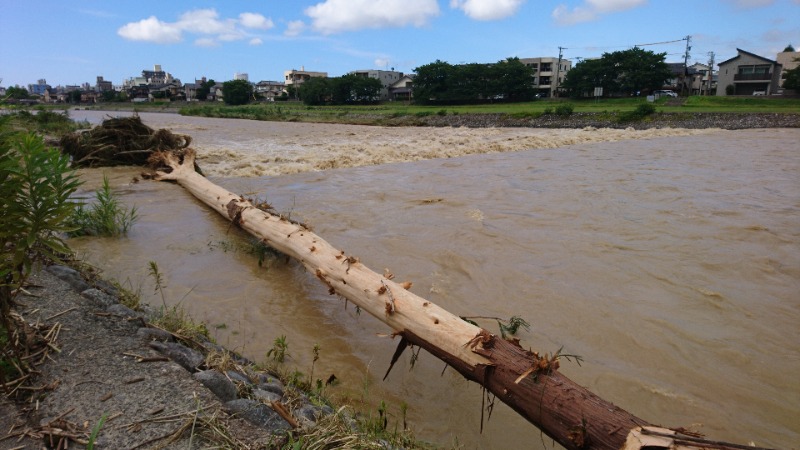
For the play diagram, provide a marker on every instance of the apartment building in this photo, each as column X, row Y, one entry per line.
column 548, row 73
column 297, row 77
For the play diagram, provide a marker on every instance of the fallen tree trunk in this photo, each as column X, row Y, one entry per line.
column 528, row 382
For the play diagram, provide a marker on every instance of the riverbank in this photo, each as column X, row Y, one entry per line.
column 691, row 113
column 725, row 121
column 107, row 376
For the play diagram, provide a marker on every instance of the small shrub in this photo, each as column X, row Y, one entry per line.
column 642, row 111
column 730, row 89
column 548, row 110
column 526, row 115
column 564, row 109
column 107, row 217
column 423, row 113
column 36, row 184
column 441, row 112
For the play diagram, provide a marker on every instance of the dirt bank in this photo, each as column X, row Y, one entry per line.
column 726, row 121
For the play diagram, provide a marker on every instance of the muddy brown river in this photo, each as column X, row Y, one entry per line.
column 669, row 260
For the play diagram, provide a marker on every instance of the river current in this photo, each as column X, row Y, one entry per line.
column 669, row 260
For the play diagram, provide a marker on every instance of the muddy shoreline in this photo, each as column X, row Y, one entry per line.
column 690, row 120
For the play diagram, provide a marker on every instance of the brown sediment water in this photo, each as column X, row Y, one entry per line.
column 668, row 259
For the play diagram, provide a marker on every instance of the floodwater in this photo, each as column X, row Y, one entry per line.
column 669, row 260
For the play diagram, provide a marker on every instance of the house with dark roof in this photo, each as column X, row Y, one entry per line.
column 402, row 89
column 748, row 74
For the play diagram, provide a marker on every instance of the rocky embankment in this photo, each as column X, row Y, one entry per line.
column 726, row 121
column 141, row 386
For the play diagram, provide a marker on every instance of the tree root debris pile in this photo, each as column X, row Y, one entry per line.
column 121, row 141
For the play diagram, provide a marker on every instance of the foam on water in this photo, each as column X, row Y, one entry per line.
column 379, row 145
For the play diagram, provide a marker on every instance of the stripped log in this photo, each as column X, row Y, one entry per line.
column 528, row 382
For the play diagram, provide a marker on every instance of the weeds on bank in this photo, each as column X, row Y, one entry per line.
column 174, row 318
column 106, row 217
column 36, row 184
column 377, row 428
column 44, row 121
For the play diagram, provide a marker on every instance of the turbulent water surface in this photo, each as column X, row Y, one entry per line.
column 669, row 260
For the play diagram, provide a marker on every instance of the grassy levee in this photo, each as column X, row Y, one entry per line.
column 385, row 112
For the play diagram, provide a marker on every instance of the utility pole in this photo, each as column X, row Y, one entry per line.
column 710, row 71
column 558, row 69
column 686, row 55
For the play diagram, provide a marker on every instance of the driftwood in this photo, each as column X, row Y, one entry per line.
column 528, row 382
column 120, row 141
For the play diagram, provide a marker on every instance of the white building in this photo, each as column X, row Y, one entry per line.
column 386, row 77
column 548, row 73
column 297, row 77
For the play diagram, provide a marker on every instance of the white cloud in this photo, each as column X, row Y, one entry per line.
column 151, row 30
column 256, row 41
column 253, row 20
column 381, row 62
column 204, row 22
column 206, row 42
column 294, row 28
column 592, row 10
column 336, row 16
column 487, row 9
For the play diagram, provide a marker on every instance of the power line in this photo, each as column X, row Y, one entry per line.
column 659, row 43
column 607, row 47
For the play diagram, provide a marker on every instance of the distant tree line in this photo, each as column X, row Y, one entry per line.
column 443, row 83
column 347, row 89
column 626, row 72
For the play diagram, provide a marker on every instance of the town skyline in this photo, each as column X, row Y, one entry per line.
column 72, row 44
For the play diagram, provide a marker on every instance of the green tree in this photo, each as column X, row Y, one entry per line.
column 789, row 48
column 514, row 80
column 638, row 70
column 75, row 96
column 291, row 91
column 626, row 72
column 441, row 82
column 204, row 89
column 109, row 96
column 433, row 82
column 17, row 92
column 315, row 91
column 237, row 92
column 352, row 88
column 587, row 75
column 791, row 78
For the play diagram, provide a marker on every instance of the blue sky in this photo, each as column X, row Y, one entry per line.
column 74, row 42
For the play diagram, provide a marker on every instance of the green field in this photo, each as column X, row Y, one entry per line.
column 378, row 114
column 295, row 111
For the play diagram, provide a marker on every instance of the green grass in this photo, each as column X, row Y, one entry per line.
column 44, row 121
column 742, row 104
column 383, row 113
column 106, row 217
